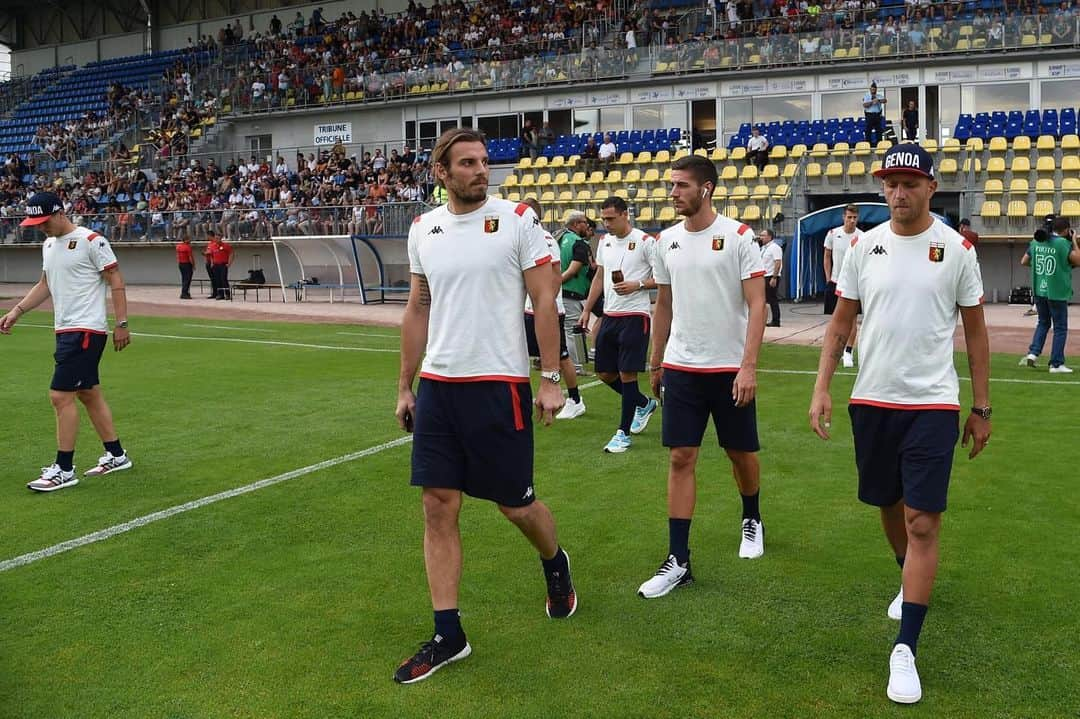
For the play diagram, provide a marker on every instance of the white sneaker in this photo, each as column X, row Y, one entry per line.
column 53, row 478
column 642, row 415
column 1028, row 360
column 1060, row 369
column 904, row 685
column 895, row 607
column 670, row 576
column 571, row 409
column 108, row 463
column 848, row 359
column 752, row 545
column 619, row 443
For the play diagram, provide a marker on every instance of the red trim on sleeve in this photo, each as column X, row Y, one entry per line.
column 92, row 235
column 543, row 260
column 756, row 274
column 896, row 405
column 520, row 209
column 515, row 399
column 417, row 219
column 110, row 266
column 967, row 244
column 742, row 229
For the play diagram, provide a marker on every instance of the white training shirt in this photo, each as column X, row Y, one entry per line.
column 633, row 256
column 474, row 265
column 839, row 241
column 556, row 258
column 706, row 270
column 909, row 305
column 770, row 253
column 73, row 264
column 759, row 142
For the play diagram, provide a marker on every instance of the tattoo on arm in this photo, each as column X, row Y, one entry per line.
column 425, row 292
column 839, row 343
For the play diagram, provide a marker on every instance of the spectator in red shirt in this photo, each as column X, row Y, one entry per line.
column 186, row 261
column 969, row 234
column 221, row 256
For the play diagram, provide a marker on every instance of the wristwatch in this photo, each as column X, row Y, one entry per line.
column 121, row 325
column 983, row 412
column 555, row 376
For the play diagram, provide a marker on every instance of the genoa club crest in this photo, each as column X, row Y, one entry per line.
column 491, row 224
column 73, row 244
column 937, row 253
column 717, row 243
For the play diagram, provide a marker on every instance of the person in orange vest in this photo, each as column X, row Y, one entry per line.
column 186, row 261
column 221, row 257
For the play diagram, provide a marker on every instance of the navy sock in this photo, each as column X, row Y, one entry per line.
column 900, row 561
column 65, row 459
column 750, row 508
column 640, row 400
column 911, row 621
column 679, row 539
column 617, row 386
column 448, row 623
column 574, row 394
column 557, row 563
column 114, row 448
column 848, row 349
column 629, row 404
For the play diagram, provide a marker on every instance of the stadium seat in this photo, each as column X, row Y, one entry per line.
column 583, row 196
column 720, row 192
column 951, row 146
column 540, row 162
column 513, row 196
column 739, row 193
column 882, row 147
column 527, row 181
column 626, row 158
column 790, row 171
column 601, row 195
column 651, row 176
column 797, row 151
column 834, row 169
column 1070, row 164
column 644, row 157
column 566, row 196
column 760, row 192
column 510, row 181
column 778, row 152
column 751, row 213
column 524, row 163
column 813, row 170
column 972, row 163
column 578, row 178
column 862, row 149
column 974, row 144
column 1018, row 185
column 995, row 166
column 1045, row 186
column 770, row 172
column 856, row 168
column 667, row 214
column 732, row 211
column 730, row 173
column 998, row 144
column 1042, row 208
column 1045, row 165
column 614, row 177
column 737, row 155
column 547, row 196
column 1070, row 208
column 840, row 149
column 645, row 214
column 662, row 157
column 1017, row 209
column 1021, row 144
column 658, row 193
column 820, row 149
column 947, row 167
column 1020, row 164
column 597, row 177
column 993, row 187
column 1070, row 142
column 749, row 172
column 543, row 179
column 780, row 191
column 633, row 176
column 990, row 209
column 1070, row 186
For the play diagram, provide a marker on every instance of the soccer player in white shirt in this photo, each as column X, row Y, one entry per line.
column 77, row 264
column 472, row 261
column 911, row 276
column 772, row 260
column 837, row 242
column 624, row 276
column 709, row 323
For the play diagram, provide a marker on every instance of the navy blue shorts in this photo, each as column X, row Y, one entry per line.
column 690, row 398
column 534, row 346
column 77, row 357
column 904, row 454
column 475, row 437
column 622, row 344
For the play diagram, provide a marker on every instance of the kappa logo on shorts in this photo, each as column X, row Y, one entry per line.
column 491, row 224
column 717, row 243
column 73, row 244
column 878, row 250
column 937, row 253
column 528, row 493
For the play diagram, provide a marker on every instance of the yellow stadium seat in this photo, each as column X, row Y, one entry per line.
column 1070, row 186
column 990, row 209
column 749, row 172
column 601, row 195
column 1070, row 208
column 820, row 149
column 1046, row 39
column 951, row 146
column 739, row 193
column 524, row 163
column 732, row 211
column 641, row 194
column 875, row 166
column 658, row 193
column 1017, row 208
column 667, row 214
column 547, row 196
column 666, row 177
column 790, row 170
column 963, row 44
column 751, row 213
column 645, row 215
column 1018, row 185
column 1070, row 142
column 947, row 166
column 614, row 177
column 884, row 50
column 719, row 192
column 540, row 162
column 761, row 192
column 583, row 196
column 701, row 152
column 1027, row 40
column 557, row 161
column 1070, row 163
column 840, row 53
column 719, row 154
column 573, row 160
column 651, row 175
column 974, row 144
column 1042, row 208
column 772, row 211
column 644, row 157
column 621, row 192
column 729, row 173
column 771, row 172
column 853, row 52
column 930, row 146
column 527, row 181
column 840, row 149
column 1045, row 143
column 633, row 176
column 561, row 179
column 543, row 179
column 993, row 187
column 1045, row 186
column 680, row 154
column 1021, row 144
column 780, row 192
column 510, row 181
column 813, row 169
column 1045, row 165
column 797, row 151
column 1021, row 164
column 626, row 158
column 882, row 147
column 995, row 166
column 662, row 157
column 857, row 168
column 862, row 149
column 737, row 155
column 972, row 162
column 513, row 196
column 834, row 169
column 998, row 144
column 566, row 196
column 778, row 152
column 549, row 216
column 597, row 177
column 578, row 178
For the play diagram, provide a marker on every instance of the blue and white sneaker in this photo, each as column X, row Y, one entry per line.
column 619, row 443
column 642, row 415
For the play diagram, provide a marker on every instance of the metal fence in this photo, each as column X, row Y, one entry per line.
column 379, row 220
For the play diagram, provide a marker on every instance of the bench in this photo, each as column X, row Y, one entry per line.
column 383, row 291
column 244, row 287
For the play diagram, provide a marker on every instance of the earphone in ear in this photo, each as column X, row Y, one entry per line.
column 704, row 193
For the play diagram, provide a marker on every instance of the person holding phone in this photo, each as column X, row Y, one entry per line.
column 624, row 276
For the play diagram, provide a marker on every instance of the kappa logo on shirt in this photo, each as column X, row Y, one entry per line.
column 436, row 230
column 674, row 246
column 878, row 250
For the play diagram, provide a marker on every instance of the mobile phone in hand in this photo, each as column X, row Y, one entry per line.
column 616, row 276
column 408, row 419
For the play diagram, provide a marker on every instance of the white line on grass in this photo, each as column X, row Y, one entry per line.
column 116, row 529
column 367, row 334
column 234, row 329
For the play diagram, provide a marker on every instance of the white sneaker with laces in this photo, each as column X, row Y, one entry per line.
column 752, row 545
column 53, row 478
column 1060, row 369
column 571, row 409
column 670, row 576
column 108, row 463
column 896, row 606
column 904, row 685
column 848, row 359
column 642, row 415
column 1028, row 360
column 619, row 443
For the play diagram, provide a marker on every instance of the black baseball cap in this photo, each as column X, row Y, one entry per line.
column 907, row 157
column 40, row 207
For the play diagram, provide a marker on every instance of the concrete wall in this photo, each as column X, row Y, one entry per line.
column 370, row 126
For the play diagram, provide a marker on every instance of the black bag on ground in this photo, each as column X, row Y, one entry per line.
column 256, row 277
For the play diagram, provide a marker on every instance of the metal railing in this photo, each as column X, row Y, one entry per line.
column 390, row 219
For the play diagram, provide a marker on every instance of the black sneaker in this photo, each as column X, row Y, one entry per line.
column 561, row 598
column 433, row 656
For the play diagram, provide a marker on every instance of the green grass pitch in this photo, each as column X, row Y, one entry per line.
column 299, row 599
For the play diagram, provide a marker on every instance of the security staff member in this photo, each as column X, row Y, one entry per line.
column 186, row 261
